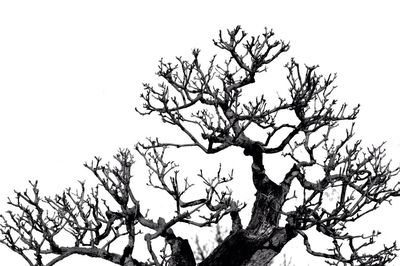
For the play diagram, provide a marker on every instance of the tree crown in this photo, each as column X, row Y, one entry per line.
column 206, row 104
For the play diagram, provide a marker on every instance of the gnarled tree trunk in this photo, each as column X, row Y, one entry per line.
column 263, row 239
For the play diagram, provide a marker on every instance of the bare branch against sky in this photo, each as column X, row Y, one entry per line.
column 237, row 127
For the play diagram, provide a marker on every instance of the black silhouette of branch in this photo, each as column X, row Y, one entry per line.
column 206, row 103
column 95, row 226
column 37, row 223
column 363, row 180
column 218, row 203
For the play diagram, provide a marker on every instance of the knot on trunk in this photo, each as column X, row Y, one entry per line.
column 255, row 150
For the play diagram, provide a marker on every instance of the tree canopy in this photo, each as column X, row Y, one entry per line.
column 207, row 104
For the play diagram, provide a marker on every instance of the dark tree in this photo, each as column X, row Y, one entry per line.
column 206, row 103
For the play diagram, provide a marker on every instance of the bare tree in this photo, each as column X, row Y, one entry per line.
column 206, row 104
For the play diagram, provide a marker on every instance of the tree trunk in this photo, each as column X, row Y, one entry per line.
column 243, row 248
column 263, row 239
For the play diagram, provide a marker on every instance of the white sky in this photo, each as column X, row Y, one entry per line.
column 71, row 75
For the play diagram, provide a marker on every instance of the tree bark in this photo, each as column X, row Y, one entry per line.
column 263, row 239
column 181, row 252
column 243, row 248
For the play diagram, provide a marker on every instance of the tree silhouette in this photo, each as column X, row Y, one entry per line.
column 207, row 104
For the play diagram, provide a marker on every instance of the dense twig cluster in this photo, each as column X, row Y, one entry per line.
column 95, row 226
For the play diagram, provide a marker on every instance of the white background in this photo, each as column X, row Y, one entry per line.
column 71, row 75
